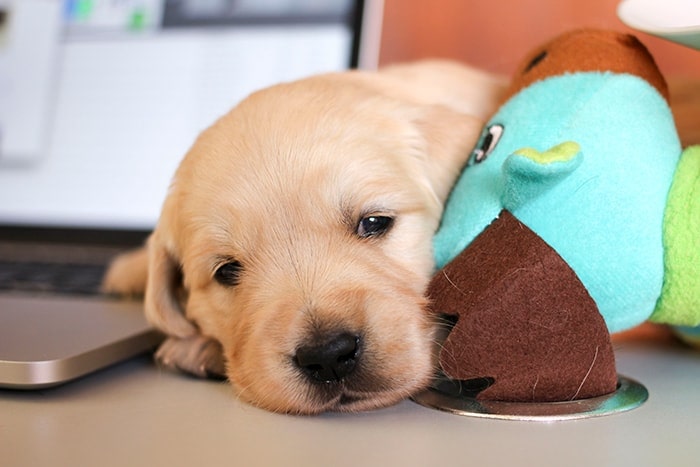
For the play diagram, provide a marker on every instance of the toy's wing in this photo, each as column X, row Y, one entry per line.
column 529, row 173
column 523, row 319
column 679, row 303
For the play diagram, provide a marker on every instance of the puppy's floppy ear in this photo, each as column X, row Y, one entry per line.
column 450, row 137
column 163, row 309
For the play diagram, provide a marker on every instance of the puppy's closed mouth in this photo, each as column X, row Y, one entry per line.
column 350, row 401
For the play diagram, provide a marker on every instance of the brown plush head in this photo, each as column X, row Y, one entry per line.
column 588, row 50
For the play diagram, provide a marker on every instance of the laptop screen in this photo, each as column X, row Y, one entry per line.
column 100, row 99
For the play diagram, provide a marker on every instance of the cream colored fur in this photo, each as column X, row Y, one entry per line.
column 280, row 185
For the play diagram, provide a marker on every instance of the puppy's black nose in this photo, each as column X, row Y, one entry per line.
column 331, row 360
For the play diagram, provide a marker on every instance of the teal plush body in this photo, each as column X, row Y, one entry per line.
column 585, row 160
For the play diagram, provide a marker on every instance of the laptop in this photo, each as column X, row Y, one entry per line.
column 99, row 101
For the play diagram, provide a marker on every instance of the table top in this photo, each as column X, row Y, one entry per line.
column 136, row 414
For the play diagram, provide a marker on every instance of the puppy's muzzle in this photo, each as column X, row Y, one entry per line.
column 331, row 360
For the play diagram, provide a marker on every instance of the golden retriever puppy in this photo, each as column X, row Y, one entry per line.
column 293, row 250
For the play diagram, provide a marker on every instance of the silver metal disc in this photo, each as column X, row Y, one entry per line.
column 629, row 395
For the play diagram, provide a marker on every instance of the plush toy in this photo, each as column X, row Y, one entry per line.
column 575, row 217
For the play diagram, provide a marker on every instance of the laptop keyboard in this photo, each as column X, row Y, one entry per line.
column 45, row 277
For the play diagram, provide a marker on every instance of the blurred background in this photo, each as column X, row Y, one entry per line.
column 495, row 35
column 100, row 99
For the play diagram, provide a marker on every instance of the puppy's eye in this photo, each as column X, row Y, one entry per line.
column 373, row 226
column 228, row 273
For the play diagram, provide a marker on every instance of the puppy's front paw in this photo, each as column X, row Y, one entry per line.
column 197, row 355
column 127, row 273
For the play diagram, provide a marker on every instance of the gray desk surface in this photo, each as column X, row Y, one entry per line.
column 133, row 414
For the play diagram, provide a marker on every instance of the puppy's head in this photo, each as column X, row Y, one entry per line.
column 298, row 229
